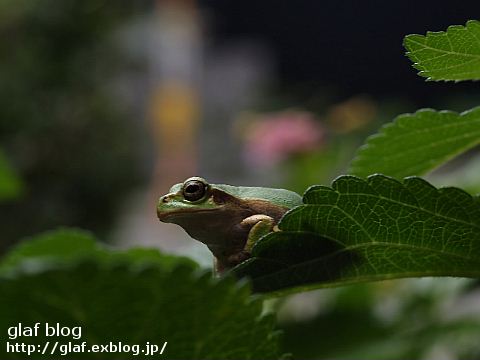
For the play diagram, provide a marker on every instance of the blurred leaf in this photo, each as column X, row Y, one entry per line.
column 369, row 339
column 365, row 230
column 346, row 323
column 409, row 319
column 450, row 55
column 459, row 337
column 415, row 144
column 64, row 246
column 10, row 184
column 114, row 299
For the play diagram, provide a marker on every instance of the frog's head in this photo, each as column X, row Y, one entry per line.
column 192, row 196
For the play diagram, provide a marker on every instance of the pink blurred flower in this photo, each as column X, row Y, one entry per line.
column 277, row 136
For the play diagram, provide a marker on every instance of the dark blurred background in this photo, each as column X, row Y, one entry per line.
column 62, row 128
column 105, row 104
column 344, row 47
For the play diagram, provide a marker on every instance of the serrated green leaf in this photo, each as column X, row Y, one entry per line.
column 415, row 144
column 450, row 55
column 364, row 230
column 113, row 299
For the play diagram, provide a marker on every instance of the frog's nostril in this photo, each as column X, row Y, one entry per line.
column 164, row 199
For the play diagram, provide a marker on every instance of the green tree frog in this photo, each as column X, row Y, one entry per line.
column 228, row 219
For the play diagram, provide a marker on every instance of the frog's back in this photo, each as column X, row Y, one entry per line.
column 281, row 197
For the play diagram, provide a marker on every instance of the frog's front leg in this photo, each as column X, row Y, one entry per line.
column 257, row 226
column 260, row 225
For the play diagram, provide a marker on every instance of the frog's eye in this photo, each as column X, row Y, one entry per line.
column 194, row 190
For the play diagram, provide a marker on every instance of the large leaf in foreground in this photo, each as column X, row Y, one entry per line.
column 415, row 144
column 362, row 230
column 450, row 55
column 121, row 298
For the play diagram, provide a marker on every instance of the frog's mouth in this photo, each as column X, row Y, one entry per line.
column 170, row 216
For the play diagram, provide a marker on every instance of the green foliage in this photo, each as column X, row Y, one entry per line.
column 414, row 144
column 365, row 230
column 133, row 296
column 450, row 55
column 355, row 231
column 10, row 184
column 64, row 246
